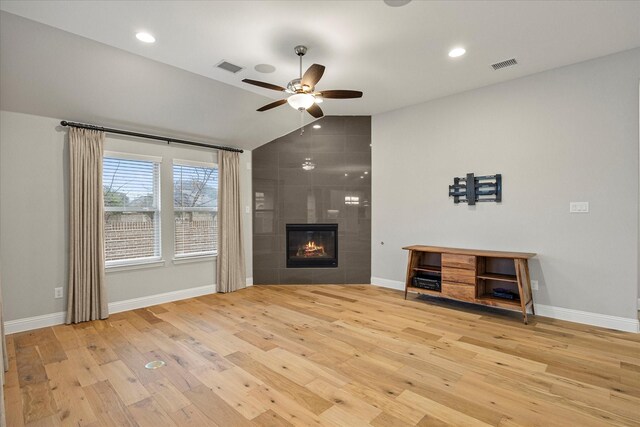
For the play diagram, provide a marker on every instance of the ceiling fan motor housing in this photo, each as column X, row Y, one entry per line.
column 296, row 86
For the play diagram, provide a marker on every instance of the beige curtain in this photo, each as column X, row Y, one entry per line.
column 230, row 265
column 5, row 363
column 87, row 298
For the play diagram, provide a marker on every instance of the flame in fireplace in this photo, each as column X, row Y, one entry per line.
column 310, row 249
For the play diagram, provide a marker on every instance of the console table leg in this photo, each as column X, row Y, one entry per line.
column 410, row 263
column 524, row 296
column 528, row 282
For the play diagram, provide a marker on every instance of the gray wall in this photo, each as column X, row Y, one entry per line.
column 292, row 195
column 569, row 134
column 33, row 219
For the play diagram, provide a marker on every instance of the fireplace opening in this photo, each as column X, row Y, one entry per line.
column 312, row 245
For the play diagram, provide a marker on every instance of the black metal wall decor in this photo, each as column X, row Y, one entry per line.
column 474, row 189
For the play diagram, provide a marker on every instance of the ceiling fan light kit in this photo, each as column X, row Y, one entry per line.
column 303, row 95
column 301, row 101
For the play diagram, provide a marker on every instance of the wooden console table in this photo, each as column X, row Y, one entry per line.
column 472, row 275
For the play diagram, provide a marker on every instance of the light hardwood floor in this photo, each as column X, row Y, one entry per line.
column 322, row 355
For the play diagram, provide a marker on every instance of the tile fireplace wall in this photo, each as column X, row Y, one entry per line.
column 337, row 190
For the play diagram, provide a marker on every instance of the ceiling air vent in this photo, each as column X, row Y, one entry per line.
column 504, row 64
column 228, row 66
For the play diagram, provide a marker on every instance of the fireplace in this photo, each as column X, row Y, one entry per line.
column 312, row 245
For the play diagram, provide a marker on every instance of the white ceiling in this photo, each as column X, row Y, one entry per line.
column 396, row 56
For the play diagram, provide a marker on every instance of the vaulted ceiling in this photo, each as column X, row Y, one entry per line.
column 86, row 64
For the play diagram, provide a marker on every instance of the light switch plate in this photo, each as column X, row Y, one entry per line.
column 57, row 293
column 247, row 209
column 534, row 285
column 579, row 207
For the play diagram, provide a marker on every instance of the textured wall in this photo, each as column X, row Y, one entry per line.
column 285, row 193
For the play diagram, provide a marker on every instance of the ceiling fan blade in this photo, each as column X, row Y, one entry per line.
column 341, row 94
column 272, row 105
column 315, row 111
column 313, row 75
column 264, row 84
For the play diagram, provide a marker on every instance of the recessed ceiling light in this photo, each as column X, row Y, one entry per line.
column 366, row 173
column 456, row 52
column 362, row 176
column 346, row 174
column 264, row 68
column 396, row 3
column 145, row 37
column 317, row 126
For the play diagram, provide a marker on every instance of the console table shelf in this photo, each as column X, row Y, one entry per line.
column 429, row 268
column 475, row 276
column 499, row 277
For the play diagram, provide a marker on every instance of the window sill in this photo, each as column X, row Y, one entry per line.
column 198, row 258
column 134, row 265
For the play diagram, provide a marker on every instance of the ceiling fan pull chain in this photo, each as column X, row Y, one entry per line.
column 301, row 122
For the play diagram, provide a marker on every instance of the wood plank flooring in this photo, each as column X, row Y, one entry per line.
column 322, row 355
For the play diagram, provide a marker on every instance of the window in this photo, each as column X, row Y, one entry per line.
column 132, row 208
column 195, row 203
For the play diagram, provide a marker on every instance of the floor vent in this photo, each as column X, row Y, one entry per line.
column 504, row 64
column 228, row 66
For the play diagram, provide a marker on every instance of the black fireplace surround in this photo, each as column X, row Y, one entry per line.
column 312, row 245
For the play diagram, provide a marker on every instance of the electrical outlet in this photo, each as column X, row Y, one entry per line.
column 579, row 207
column 57, row 293
column 534, row 285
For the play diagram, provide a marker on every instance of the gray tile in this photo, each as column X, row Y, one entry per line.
column 265, row 173
column 358, row 125
column 294, row 176
column 357, row 260
column 264, row 156
column 358, row 143
column 269, row 260
column 331, row 125
column 293, row 276
column 295, row 202
column 296, row 144
column 292, row 160
column 328, row 144
column 265, row 276
column 359, row 276
column 328, row 276
column 263, row 244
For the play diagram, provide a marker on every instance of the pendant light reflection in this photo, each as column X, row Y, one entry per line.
column 308, row 165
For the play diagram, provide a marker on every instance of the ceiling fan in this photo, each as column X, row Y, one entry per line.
column 303, row 95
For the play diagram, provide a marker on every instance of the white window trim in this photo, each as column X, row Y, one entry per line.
column 194, row 163
column 187, row 259
column 131, row 156
column 134, row 264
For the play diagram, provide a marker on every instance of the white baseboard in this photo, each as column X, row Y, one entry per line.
column 35, row 322
column 249, row 281
column 147, row 301
column 588, row 318
column 386, row 283
column 46, row 320
column 560, row 313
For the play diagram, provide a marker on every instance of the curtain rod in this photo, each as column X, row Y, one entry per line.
column 149, row 136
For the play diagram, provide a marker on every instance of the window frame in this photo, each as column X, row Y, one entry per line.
column 154, row 260
column 192, row 256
